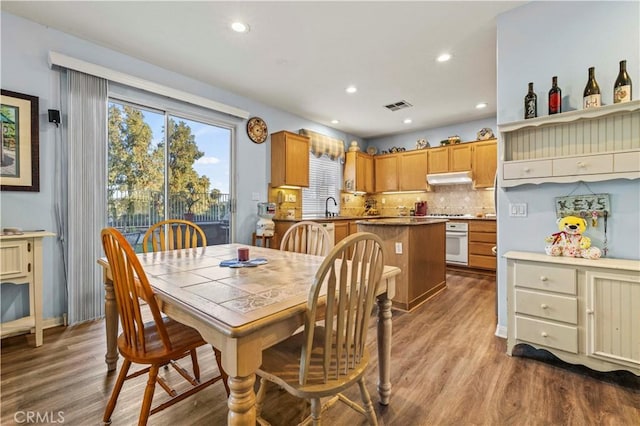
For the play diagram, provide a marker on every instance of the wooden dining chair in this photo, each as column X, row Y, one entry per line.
column 156, row 343
column 307, row 237
column 323, row 360
column 173, row 234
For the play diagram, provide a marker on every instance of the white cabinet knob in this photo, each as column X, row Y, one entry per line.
column 590, row 311
column 526, row 170
column 543, row 278
column 544, row 306
column 581, row 165
column 544, row 334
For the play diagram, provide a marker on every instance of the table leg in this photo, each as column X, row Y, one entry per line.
column 242, row 401
column 111, row 324
column 384, row 348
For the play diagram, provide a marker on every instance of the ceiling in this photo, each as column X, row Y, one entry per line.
column 300, row 56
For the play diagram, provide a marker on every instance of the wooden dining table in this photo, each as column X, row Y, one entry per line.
column 242, row 311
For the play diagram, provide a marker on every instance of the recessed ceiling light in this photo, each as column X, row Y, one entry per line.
column 334, row 121
column 407, row 121
column 482, row 105
column 444, row 57
column 351, row 89
column 240, row 27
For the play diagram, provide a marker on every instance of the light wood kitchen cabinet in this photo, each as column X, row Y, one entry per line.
column 460, row 157
column 358, row 172
column 589, row 145
column 482, row 238
column 438, row 160
column 412, row 170
column 341, row 230
column 485, row 161
column 583, row 311
column 451, row 158
column 281, row 226
column 386, row 172
column 289, row 159
column 353, row 227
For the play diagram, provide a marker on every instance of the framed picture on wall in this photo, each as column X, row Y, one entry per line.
column 19, row 151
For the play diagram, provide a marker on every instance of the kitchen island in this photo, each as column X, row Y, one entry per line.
column 417, row 246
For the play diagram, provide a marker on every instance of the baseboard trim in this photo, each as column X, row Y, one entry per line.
column 501, row 331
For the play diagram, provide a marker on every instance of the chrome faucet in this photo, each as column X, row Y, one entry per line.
column 326, row 206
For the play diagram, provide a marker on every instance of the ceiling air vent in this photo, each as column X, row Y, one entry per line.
column 398, row 105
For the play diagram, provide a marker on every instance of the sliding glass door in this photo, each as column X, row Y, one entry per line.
column 180, row 173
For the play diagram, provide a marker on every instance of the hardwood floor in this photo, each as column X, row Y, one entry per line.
column 448, row 369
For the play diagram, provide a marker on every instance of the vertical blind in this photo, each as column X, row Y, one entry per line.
column 325, row 177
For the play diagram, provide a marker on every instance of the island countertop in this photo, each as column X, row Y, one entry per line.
column 401, row 221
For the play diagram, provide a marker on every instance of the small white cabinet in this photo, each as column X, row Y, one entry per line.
column 583, row 311
column 21, row 264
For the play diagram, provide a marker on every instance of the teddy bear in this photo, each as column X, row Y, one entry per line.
column 569, row 241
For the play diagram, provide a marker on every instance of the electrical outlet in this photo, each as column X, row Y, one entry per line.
column 292, row 198
column 255, row 196
column 398, row 248
column 518, row 209
column 384, row 201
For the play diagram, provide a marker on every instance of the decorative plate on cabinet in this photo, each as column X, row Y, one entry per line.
column 257, row 129
column 484, row 134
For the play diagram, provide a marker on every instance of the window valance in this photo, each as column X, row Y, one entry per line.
column 323, row 144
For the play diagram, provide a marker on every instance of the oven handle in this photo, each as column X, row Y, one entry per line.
column 456, row 233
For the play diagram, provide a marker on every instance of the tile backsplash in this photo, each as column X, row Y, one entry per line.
column 448, row 199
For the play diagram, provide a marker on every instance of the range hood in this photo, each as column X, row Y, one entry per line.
column 455, row 178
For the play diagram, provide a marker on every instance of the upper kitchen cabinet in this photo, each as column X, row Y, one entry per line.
column 412, row 170
column 438, row 160
column 485, row 159
column 460, row 157
column 386, row 172
column 358, row 172
column 590, row 145
column 452, row 158
column 289, row 159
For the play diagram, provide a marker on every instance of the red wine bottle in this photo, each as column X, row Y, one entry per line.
column 555, row 97
column 622, row 86
column 591, row 96
column 530, row 103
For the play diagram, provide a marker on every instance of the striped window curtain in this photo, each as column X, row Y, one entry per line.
column 86, row 193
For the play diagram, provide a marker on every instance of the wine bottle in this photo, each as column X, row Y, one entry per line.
column 622, row 86
column 530, row 103
column 591, row 96
column 555, row 97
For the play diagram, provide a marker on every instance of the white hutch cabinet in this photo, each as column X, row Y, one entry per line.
column 583, row 311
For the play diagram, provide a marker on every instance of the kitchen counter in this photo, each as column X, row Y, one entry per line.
column 372, row 218
column 417, row 246
column 401, row 221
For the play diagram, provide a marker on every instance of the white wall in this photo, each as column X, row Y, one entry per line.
column 24, row 68
column 535, row 42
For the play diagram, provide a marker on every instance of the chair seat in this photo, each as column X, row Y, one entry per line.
column 182, row 337
column 281, row 365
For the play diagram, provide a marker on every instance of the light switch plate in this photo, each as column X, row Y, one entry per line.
column 518, row 209
column 255, row 196
column 398, row 248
